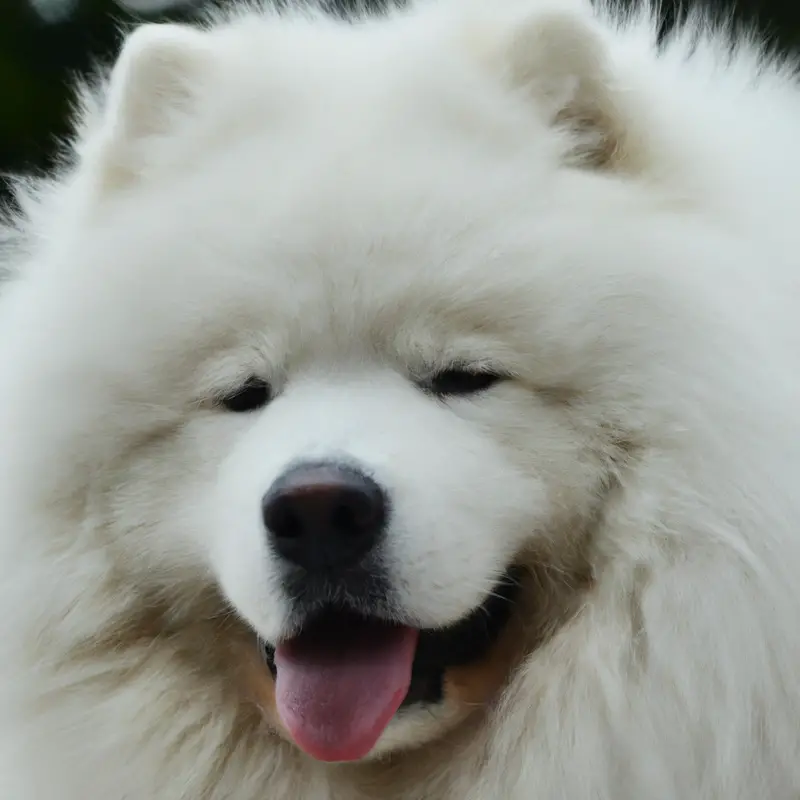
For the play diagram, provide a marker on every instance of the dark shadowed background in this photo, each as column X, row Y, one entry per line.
column 43, row 43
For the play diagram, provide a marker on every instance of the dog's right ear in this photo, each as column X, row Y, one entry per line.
column 154, row 88
column 556, row 55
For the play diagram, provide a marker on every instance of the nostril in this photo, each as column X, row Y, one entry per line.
column 344, row 517
column 281, row 519
column 356, row 513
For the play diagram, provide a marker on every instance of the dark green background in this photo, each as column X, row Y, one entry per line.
column 38, row 59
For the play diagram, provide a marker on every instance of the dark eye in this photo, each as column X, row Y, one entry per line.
column 251, row 395
column 452, row 382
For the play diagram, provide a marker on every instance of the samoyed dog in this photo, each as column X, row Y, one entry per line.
column 407, row 407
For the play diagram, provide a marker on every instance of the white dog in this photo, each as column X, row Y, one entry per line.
column 408, row 407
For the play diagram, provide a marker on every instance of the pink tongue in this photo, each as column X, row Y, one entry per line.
column 338, row 686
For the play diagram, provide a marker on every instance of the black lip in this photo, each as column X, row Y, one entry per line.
column 463, row 643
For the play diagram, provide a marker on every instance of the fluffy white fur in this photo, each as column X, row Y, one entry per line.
column 342, row 208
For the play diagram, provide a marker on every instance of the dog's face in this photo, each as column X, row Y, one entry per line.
column 354, row 363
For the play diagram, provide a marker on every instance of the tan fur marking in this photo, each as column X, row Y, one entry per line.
column 478, row 684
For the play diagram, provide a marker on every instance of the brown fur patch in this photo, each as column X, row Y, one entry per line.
column 477, row 684
column 548, row 599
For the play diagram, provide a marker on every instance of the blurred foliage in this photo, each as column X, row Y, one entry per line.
column 38, row 61
column 38, row 65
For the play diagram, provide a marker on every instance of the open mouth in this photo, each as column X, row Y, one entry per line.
column 341, row 680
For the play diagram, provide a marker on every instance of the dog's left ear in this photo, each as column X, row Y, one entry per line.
column 558, row 56
column 152, row 96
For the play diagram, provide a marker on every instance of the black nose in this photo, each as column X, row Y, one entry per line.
column 324, row 517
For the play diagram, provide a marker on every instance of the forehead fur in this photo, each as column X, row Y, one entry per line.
column 353, row 160
column 440, row 85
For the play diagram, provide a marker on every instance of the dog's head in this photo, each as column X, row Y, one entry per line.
column 352, row 325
